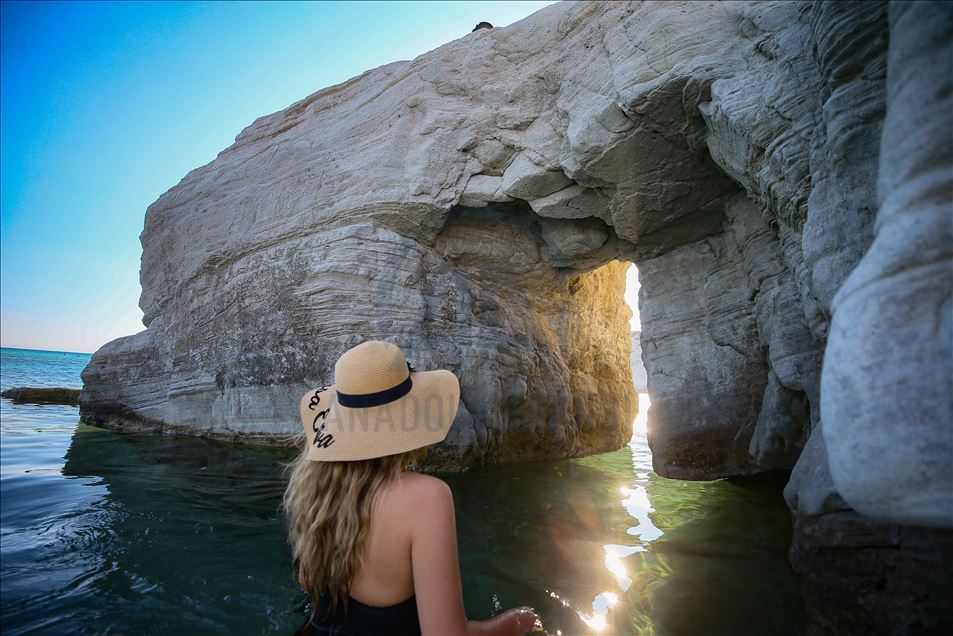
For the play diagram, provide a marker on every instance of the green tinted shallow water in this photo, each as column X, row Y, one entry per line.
column 109, row 533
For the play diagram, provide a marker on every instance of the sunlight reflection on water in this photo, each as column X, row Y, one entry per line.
column 703, row 557
column 636, row 503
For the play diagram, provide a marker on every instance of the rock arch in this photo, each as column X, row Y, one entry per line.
column 469, row 197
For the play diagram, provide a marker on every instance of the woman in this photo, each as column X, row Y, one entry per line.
column 375, row 543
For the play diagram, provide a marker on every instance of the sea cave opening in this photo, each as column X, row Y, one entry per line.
column 639, row 376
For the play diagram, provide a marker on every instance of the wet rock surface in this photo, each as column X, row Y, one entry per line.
column 42, row 395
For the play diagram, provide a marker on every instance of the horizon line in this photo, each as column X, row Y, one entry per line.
column 85, row 353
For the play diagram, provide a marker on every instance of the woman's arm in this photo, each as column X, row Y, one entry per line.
column 436, row 572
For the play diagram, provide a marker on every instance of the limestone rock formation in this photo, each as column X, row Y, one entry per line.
column 724, row 337
column 639, row 376
column 779, row 172
column 464, row 204
column 899, row 424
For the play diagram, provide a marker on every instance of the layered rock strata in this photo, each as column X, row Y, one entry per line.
column 890, row 434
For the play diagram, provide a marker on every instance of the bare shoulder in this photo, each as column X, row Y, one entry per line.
column 422, row 492
column 420, row 485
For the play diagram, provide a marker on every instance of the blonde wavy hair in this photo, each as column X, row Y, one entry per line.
column 329, row 507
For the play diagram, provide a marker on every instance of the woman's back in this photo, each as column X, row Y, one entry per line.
column 386, row 574
column 360, row 525
column 382, row 598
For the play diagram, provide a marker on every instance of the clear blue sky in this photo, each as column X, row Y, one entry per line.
column 106, row 105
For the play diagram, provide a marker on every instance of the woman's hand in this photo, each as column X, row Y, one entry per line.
column 513, row 622
column 526, row 621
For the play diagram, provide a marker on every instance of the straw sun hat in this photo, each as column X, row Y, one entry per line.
column 378, row 405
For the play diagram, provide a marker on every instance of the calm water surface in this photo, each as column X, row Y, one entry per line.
column 118, row 534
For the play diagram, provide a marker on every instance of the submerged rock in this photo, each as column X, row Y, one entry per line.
column 42, row 395
column 859, row 575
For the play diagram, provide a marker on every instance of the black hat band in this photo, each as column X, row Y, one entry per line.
column 367, row 400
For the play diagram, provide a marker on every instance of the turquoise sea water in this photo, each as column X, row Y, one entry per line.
column 104, row 533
